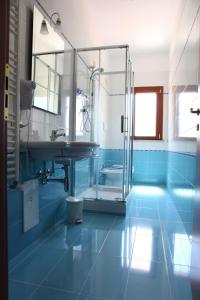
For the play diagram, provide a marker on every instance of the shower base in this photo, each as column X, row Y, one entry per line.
column 106, row 200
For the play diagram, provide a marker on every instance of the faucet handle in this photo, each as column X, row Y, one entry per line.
column 59, row 129
column 55, row 134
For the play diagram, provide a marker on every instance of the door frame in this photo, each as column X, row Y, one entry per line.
column 4, row 57
column 195, row 255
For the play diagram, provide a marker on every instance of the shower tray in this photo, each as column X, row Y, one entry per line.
column 104, row 199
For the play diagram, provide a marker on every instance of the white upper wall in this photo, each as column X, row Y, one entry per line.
column 146, row 25
column 184, row 68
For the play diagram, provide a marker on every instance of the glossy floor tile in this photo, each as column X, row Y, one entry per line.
column 119, row 243
column 143, row 256
column 148, row 247
column 18, row 290
column 147, row 280
column 90, row 240
column 107, row 278
column 36, row 266
column 45, row 293
column 70, row 273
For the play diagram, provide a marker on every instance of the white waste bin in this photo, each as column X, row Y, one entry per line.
column 74, row 210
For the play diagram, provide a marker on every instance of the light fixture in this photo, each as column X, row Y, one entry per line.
column 56, row 21
column 44, row 28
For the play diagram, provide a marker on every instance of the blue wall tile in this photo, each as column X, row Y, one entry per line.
column 15, row 208
column 180, row 182
column 150, row 166
column 52, row 207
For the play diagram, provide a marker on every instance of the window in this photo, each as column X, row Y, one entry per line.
column 185, row 121
column 148, row 119
column 48, row 82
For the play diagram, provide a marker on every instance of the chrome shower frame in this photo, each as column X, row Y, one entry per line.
column 127, row 131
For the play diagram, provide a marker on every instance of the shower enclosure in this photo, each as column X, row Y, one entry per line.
column 103, row 113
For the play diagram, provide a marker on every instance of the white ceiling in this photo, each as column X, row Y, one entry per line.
column 146, row 25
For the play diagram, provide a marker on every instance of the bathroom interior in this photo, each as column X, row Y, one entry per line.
column 101, row 183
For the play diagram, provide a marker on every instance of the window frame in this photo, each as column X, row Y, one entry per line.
column 48, row 88
column 159, row 90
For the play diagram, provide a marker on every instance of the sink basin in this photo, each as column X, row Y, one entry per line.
column 59, row 151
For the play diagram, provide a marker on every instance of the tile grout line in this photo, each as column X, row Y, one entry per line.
column 46, row 237
column 43, row 280
column 24, row 282
column 183, row 177
column 40, row 284
column 38, row 244
column 59, row 260
column 79, row 293
column 164, row 252
column 129, row 269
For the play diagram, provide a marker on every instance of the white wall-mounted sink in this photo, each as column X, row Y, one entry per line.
column 59, row 151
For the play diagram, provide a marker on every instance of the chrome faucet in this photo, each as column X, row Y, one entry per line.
column 55, row 134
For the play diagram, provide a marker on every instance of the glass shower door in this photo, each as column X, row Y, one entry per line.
column 127, row 129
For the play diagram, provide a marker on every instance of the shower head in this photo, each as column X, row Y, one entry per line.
column 95, row 72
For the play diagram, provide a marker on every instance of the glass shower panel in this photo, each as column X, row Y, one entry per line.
column 83, row 102
column 113, row 60
column 66, row 86
column 83, row 126
column 128, row 159
column 103, row 96
column 90, row 58
column 111, row 140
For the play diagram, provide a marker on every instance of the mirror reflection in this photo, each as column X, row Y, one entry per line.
column 47, row 64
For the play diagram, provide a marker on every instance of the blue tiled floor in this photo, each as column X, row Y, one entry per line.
column 144, row 256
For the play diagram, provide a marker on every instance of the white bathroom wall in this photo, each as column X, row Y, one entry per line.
column 41, row 122
column 182, row 158
column 184, row 62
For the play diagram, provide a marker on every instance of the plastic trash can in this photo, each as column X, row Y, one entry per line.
column 74, row 210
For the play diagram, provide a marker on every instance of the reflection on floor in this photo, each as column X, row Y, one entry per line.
column 143, row 256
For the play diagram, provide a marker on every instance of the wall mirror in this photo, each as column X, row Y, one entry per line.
column 47, row 64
